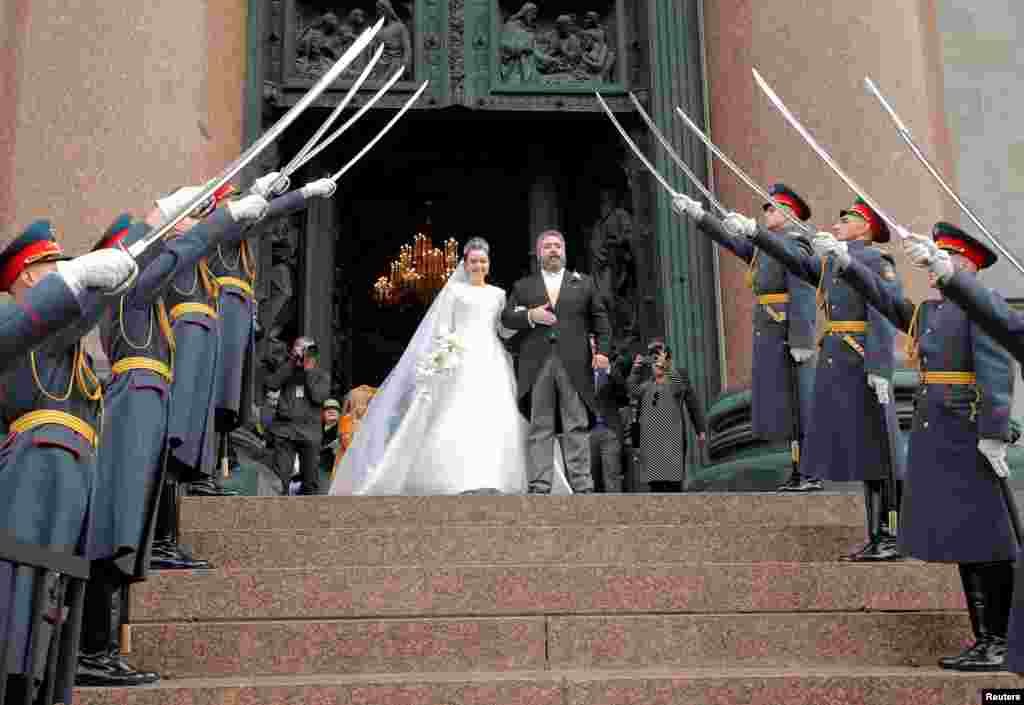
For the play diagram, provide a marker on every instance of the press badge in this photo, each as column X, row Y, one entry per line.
column 300, row 393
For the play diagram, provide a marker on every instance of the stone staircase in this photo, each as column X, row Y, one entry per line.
column 599, row 600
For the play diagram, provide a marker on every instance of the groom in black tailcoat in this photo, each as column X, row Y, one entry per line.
column 555, row 310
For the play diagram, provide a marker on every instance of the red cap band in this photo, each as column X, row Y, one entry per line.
column 960, row 247
column 33, row 253
column 114, row 239
column 868, row 215
column 784, row 200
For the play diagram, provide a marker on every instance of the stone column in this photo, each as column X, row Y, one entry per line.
column 687, row 272
column 317, row 284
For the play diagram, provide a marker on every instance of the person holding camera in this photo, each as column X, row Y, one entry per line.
column 296, row 428
column 659, row 431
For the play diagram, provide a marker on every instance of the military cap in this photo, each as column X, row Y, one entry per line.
column 117, row 230
column 860, row 209
column 35, row 245
column 952, row 239
column 785, row 196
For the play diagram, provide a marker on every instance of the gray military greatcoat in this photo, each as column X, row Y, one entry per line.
column 847, row 440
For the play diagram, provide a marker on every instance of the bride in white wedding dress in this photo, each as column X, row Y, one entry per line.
column 450, row 432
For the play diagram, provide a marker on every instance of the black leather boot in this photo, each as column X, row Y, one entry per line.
column 881, row 545
column 869, row 513
column 791, row 484
column 207, row 487
column 972, row 575
column 886, row 547
column 99, row 664
column 994, row 582
column 166, row 553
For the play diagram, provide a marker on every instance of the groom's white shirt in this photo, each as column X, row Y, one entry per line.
column 553, row 282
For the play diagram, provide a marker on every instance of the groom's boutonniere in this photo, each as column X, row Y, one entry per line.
column 576, row 276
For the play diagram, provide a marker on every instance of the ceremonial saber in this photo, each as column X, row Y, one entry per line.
column 796, row 423
column 376, row 139
column 742, row 175
column 262, row 143
column 636, row 150
column 297, row 160
column 674, row 156
column 820, row 151
column 1011, row 507
column 352, row 120
column 904, row 132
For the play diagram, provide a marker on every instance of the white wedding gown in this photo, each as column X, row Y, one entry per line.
column 462, row 431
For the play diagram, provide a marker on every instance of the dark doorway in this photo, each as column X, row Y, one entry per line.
column 471, row 174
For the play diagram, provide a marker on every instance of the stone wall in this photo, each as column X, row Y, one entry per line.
column 816, row 56
column 106, row 107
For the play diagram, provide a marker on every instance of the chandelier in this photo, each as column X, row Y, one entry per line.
column 418, row 273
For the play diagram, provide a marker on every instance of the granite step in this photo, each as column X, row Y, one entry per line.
column 522, row 545
column 735, row 686
column 856, row 639
column 434, row 591
column 217, row 514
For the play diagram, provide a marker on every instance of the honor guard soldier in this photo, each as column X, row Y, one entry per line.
column 234, row 269
column 139, row 342
column 782, row 380
column 990, row 534
column 47, row 307
column 51, row 410
column 855, row 439
column 192, row 308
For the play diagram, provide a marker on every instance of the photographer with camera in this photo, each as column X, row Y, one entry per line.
column 659, row 430
column 296, row 428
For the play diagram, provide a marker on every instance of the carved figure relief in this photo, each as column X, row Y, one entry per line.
column 563, row 50
column 613, row 263
column 394, row 35
column 323, row 36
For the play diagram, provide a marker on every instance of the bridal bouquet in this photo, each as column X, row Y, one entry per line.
column 442, row 359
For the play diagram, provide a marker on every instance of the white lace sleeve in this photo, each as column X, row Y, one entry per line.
column 446, row 311
column 503, row 332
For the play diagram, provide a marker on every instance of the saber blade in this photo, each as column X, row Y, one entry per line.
column 674, row 156
column 265, row 140
column 740, row 174
column 409, row 103
column 636, row 150
column 296, row 161
column 904, row 132
column 352, row 120
column 825, row 156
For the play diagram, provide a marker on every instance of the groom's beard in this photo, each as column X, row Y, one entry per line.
column 553, row 263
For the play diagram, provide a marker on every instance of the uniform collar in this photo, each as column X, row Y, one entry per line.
column 552, row 275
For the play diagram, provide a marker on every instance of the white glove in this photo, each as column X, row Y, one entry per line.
column 920, row 250
column 881, row 387
column 321, row 187
column 171, row 205
column 263, row 184
column 684, row 205
column 251, row 208
column 108, row 270
column 826, row 245
column 800, row 355
column 739, row 225
column 995, row 452
column 924, row 253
